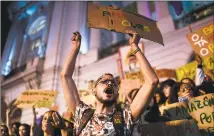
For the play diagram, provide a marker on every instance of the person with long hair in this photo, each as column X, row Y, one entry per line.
column 160, row 98
column 48, row 126
column 54, row 125
column 4, row 130
column 166, row 89
column 24, row 130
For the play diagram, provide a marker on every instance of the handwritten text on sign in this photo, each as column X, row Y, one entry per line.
column 38, row 98
column 199, row 108
column 115, row 19
column 202, row 40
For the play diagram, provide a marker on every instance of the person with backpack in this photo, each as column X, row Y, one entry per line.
column 106, row 119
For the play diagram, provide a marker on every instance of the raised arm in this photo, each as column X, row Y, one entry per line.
column 68, row 84
column 8, row 123
column 145, row 93
column 33, row 126
column 199, row 73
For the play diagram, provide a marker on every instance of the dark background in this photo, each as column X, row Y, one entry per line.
column 5, row 23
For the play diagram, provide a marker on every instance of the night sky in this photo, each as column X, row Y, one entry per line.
column 5, row 23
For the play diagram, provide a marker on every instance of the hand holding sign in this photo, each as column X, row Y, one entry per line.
column 135, row 38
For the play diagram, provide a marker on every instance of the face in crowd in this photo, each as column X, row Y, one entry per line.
column 46, row 122
column 185, row 90
column 4, row 130
column 166, row 86
column 158, row 97
column 24, row 130
column 15, row 128
column 106, row 89
column 188, row 81
column 167, row 90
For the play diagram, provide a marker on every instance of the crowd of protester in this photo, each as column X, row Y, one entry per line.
column 168, row 92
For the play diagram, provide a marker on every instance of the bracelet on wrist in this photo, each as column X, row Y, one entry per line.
column 136, row 50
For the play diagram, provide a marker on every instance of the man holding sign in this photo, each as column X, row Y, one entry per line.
column 106, row 119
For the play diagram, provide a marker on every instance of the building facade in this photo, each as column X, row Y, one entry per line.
column 39, row 41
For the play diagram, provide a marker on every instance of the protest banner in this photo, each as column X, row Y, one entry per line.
column 202, row 40
column 199, row 108
column 38, row 98
column 165, row 73
column 202, row 109
column 171, row 128
column 189, row 69
column 115, row 19
column 175, row 111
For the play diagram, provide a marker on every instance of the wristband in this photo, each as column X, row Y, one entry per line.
column 135, row 51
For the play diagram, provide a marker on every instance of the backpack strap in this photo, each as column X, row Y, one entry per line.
column 118, row 122
column 85, row 118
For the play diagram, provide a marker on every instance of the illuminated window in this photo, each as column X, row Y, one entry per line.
column 35, row 44
column 37, row 47
column 193, row 11
column 37, row 25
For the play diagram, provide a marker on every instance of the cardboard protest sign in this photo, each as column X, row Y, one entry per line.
column 209, row 62
column 189, row 69
column 171, row 128
column 114, row 19
column 135, row 76
column 165, row 73
column 175, row 111
column 38, row 98
column 199, row 108
column 202, row 109
column 202, row 40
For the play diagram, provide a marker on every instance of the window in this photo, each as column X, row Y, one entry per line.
column 192, row 11
column 37, row 25
column 37, row 46
column 24, row 42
